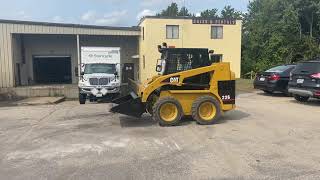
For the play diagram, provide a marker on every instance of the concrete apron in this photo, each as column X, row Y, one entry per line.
column 69, row 91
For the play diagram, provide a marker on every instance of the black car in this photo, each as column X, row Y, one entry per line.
column 274, row 80
column 305, row 81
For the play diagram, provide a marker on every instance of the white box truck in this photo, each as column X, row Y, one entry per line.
column 100, row 73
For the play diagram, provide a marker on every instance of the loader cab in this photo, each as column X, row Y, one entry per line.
column 174, row 60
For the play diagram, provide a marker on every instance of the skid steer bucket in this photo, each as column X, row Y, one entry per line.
column 130, row 105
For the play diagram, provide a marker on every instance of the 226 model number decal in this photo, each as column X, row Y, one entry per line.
column 226, row 97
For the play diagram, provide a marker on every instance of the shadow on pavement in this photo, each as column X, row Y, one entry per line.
column 311, row 102
column 234, row 115
column 273, row 94
column 11, row 102
column 147, row 121
column 8, row 104
column 144, row 121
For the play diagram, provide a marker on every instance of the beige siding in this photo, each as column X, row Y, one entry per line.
column 7, row 29
column 10, row 59
column 17, row 55
column 6, row 75
column 1, row 57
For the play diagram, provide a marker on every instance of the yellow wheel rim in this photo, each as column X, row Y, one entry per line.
column 207, row 111
column 168, row 112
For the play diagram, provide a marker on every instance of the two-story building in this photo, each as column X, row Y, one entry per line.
column 221, row 35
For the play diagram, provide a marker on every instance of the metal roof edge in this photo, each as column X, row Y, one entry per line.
column 133, row 28
column 182, row 17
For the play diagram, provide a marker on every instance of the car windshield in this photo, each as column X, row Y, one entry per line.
column 308, row 67
column 279, row 69
column 100, row 68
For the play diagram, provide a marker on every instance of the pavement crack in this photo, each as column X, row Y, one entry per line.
column 27, row 133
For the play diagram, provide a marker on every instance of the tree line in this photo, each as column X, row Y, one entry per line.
column 227, row 12
column 280, row 32
column 274, row 31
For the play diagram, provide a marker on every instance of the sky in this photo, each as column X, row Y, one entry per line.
column 101, row 12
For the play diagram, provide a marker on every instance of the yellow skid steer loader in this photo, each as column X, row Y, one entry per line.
column 188, row 84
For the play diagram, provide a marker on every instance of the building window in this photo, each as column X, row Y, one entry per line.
column 144, row 62
column 216, row 32
column 216, row 58
column 172, row 32
column 143, row 33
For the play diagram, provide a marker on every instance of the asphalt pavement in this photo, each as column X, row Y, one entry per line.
column 267, row 137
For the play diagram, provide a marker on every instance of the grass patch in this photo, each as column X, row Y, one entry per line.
column 245, row 85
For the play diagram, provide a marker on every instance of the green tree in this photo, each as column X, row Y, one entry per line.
column 229, row 12
column 210, row 13
column 308, row 15
column 171, row 11
column 279, row 31
column 184, row 12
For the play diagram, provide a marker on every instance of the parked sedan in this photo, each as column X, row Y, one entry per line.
column 274, row 80
column 305, row 81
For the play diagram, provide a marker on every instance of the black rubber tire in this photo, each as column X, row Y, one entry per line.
column 195, row 110
column 301, row 98
column 151, row 102
column 156, row 111
column 82, row 98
